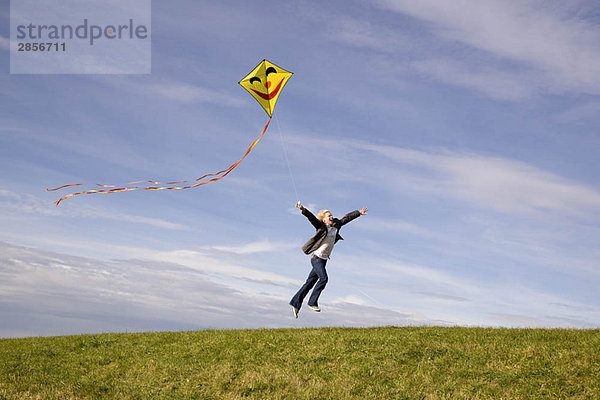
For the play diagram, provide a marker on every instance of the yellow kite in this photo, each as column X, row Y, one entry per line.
column 264, row 83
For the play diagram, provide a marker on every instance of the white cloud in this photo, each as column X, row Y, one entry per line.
column 394, row 225
column 552, row 40
column 508, row 50
column 468, row 298
column 516, row 320
column 206, row 263
column 497, row 83
column 349, row 299
column 191, row 93
column 4, row 43
column 362, row 33
column 251, row 248
column 27, row 203
column 84, row 295
column 173, row 90
column 428, row 59
column 490, row 182
column 514, row 186
column 137, row 219
column 587, row 111
column 431, row 276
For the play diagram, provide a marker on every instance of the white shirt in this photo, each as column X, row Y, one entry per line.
column 324, row 251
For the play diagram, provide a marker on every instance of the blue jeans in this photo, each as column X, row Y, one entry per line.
column 317, row 275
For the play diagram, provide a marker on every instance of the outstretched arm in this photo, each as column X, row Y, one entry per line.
column 313, row 220
column 353, row 215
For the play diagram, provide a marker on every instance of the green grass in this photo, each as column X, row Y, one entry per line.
column 330, row 363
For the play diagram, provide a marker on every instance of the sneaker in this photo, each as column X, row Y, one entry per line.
column 295, row 310
column 315, row 308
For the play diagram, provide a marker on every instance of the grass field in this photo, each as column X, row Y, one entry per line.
column 326, row 363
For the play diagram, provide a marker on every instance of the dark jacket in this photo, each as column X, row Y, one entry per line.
column 315, row 242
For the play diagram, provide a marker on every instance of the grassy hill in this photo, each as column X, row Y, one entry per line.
column 330, row 363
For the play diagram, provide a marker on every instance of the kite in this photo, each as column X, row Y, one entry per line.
column 265, row 83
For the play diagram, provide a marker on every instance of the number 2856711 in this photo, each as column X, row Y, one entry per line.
column 49, row 46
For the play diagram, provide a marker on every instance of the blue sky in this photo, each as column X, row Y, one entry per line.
column 469, row 129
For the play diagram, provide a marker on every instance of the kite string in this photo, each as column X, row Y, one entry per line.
column 287, row 161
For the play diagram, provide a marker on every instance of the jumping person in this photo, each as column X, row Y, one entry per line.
column 320, row 246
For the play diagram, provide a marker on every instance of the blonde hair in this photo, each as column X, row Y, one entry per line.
column 321, row 214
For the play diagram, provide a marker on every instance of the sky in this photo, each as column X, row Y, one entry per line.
column 468, row 128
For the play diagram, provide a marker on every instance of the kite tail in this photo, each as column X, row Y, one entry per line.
column 115, row 189
column 64, row 186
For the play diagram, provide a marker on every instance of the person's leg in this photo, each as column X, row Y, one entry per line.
column 301, row 294
column 319, row 268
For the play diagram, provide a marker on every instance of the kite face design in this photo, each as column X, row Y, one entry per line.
column 265, row 83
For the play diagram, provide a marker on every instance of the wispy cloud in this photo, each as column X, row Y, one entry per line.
column 349, row 299
column 519, row 320
column 365, row 34
column 394, row 225
column 491, row 182
column 515, row 186
column 432, row 276
column 29, row 204
column 554, row 41
column 462, row 298
column 250, row 248
column 4, row 43
column 508, row 50
column 206, row 262
column 489, row 80
column 191, row 93
column 84, row 295
column 173, row 90
column 580, row 112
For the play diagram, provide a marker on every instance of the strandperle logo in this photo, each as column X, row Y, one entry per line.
column 85, row 31
column 80, row 36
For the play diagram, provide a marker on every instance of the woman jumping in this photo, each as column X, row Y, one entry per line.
column 320, row 246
